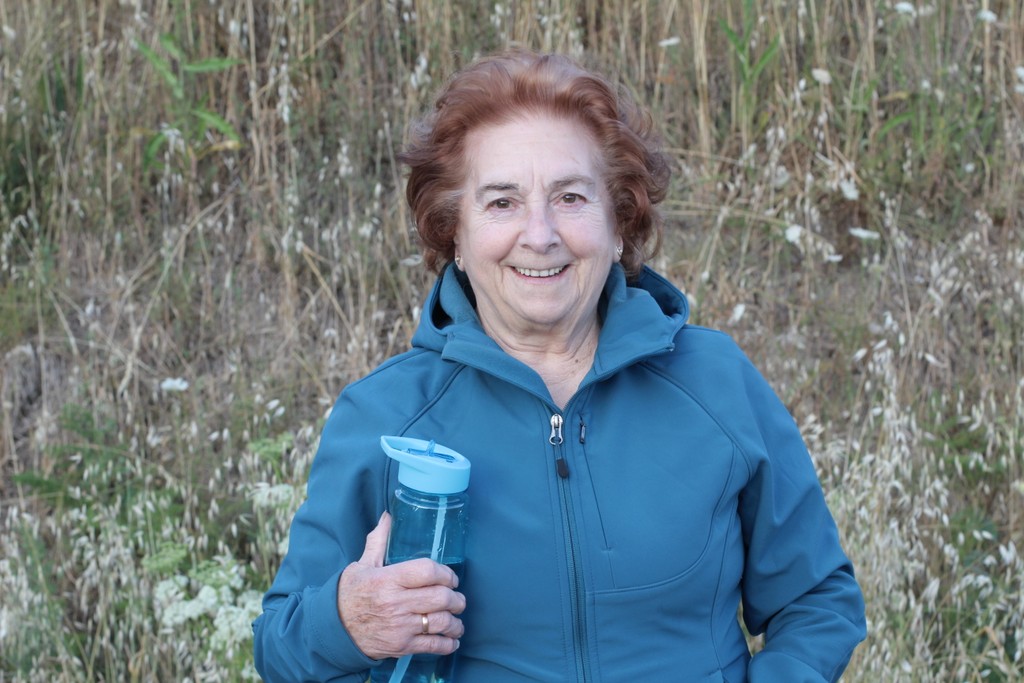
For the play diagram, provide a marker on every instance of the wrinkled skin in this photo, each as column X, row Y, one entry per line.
column 381, row 606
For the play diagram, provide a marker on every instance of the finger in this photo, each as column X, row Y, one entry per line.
column 425, row 572
column 442, row 624
column 439, row 599
column 377, row 543
column 435, row 645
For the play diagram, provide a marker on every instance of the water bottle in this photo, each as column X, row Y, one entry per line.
column 428, row 519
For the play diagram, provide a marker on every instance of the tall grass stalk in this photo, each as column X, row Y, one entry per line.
column 203, row 239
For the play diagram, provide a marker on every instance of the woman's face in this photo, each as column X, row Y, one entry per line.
column 536, row 235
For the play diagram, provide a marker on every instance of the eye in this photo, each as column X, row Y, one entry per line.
column 571, row 198
column 501, row 204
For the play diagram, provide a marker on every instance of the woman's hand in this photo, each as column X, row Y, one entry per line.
column 382, row 608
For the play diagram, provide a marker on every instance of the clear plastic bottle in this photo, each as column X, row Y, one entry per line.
column 428, row 511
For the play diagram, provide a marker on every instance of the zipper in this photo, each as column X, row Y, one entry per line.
column 555, row 439
column 577, row 598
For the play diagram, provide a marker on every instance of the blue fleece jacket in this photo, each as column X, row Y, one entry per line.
column 613, row 540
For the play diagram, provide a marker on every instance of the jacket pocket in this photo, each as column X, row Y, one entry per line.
column 654, row 518
column 685, row 635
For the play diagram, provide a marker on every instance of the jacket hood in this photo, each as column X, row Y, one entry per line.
column 638, row 319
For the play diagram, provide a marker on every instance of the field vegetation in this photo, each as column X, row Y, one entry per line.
column 203, row 238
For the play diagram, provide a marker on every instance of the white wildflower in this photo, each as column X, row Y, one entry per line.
column 175, row 614
column 866, row 235
column 793, row 233
column 849, row 190
column 780, row 176
column 906, row 8
column 263, row 495
column 5, row 619
column 345, row 167
column 419, row 77
column 413, row 260
column 207, row 600
column 230, row 626
column 1020, row 72
column 1008, row 553
column 669, row 42
column 153, row 437
column 737, row 313
column 169, row 591
column 987, row 16
column 174, row 384
column 233, row 623
column 821, row 76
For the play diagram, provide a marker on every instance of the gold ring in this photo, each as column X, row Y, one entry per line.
column 426, row 625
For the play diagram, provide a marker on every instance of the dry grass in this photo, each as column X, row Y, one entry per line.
column 200, row 247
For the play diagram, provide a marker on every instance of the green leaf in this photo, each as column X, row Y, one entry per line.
column 749, row 18
column 162, row 67
column 40, row 484
column 765, row 59
column 167, row 40
column 211, row 64
column 152, row 147
column 216, row 122
column 739, row 47
column 893, row 122
column 734, row 40
column 167, row 559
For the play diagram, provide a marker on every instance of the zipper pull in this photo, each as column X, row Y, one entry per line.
column 561, row 466
column 556, row 430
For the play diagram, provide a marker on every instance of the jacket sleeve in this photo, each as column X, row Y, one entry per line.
column 798, row 585
column 300, row 636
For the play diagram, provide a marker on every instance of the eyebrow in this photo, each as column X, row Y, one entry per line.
column 495, row 187
column 559, row 184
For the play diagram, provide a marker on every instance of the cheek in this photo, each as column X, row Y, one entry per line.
column 489, row 241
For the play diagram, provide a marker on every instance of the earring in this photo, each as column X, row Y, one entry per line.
column 618, row 251
column 458, row 262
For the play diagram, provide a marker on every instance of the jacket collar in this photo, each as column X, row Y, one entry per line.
column 638, row 320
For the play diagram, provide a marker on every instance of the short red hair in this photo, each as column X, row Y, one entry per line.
column 497, row 89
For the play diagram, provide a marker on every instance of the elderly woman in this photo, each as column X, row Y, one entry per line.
column 635, row 480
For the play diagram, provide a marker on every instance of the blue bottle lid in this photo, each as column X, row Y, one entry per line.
column 427, row 466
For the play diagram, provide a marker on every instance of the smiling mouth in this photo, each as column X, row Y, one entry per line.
column 540, row 273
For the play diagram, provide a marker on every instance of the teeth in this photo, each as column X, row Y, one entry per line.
column 540, row 273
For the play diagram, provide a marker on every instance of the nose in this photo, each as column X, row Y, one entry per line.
column 540, row 231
